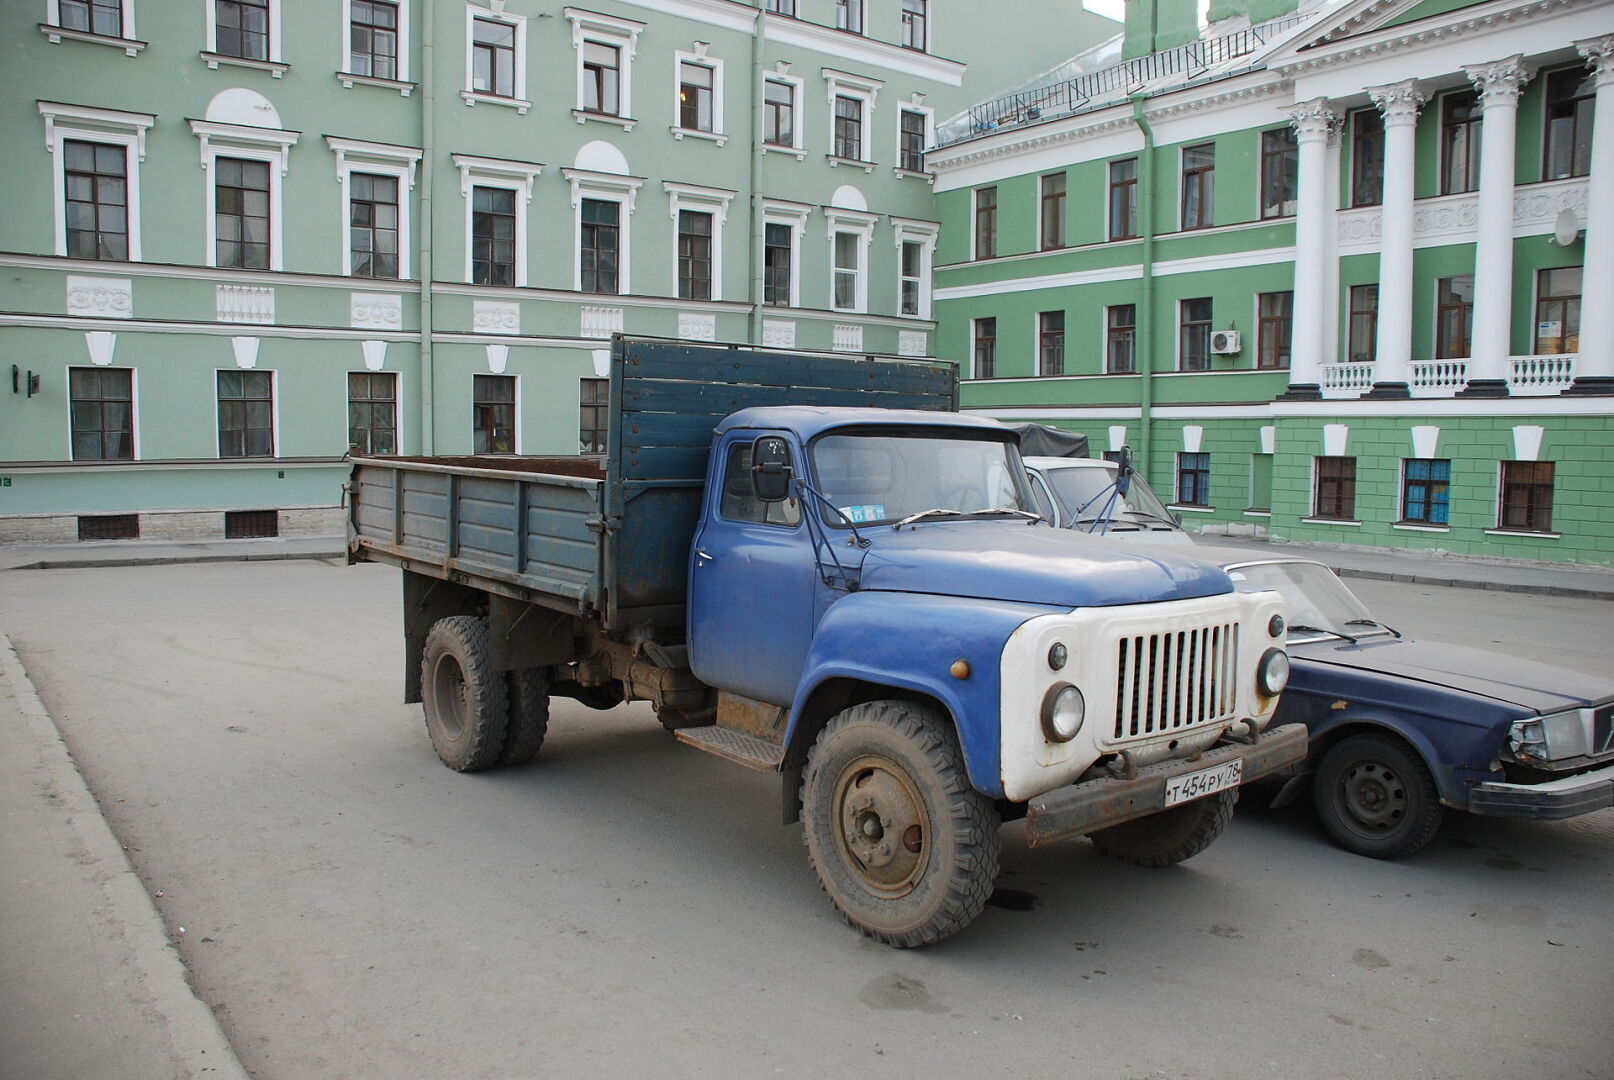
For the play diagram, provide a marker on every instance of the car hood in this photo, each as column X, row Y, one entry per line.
column 1019, row 562
column 1530, row 685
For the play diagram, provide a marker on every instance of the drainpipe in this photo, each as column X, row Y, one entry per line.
column 1145, row 331
column 754, row 292
column 428, row 141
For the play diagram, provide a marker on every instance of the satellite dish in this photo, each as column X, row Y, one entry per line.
column 1565, row 228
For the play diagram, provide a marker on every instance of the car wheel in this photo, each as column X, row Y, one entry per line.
column 1376, row 797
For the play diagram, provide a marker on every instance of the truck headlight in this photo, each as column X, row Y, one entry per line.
column 1272, row 674
column 1063, row 710
column 1549, row 738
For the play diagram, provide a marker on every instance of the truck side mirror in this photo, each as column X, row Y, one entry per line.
column 770, row 469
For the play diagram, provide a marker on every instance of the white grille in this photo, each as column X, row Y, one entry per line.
column 1175, row 681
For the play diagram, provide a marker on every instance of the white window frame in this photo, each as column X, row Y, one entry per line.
column 471, row 96
column 609, row 187
column 397, row 402
column 517, row 176
column 347, row 74
column 923, row 46
column 924, row 233
column 134, row 407
column 862, row 17
column 376, row 159
column 701, row 58
column 620, row 34
column 55, row 31
column 794, row 215
column 929, row 114
column 703, row 200
column 798, row 99
column 275, row 64
column 845, row 84
column 109, row 127
column 861, row 225
column 249, row 144
column 274, row 414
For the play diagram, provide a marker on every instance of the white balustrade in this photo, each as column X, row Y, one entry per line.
column 1438, row 378
column 1345, row 379
column 1539, row 375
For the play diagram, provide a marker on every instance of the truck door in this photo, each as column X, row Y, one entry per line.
column 751, row 583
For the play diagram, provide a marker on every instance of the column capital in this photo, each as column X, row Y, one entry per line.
column 1501, row 82
column 1599, row 55
column 1313, row 120
column 1399, row 102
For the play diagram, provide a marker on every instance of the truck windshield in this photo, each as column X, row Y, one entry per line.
column 885, row 476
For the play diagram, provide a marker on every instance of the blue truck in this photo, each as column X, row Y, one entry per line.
column 814, row 565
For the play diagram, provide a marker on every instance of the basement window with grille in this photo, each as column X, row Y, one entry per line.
column 251, row 524
column 109, row 527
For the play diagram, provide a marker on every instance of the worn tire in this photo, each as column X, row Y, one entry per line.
column 1375, row 796
column 905, row 849
column 1170, row 836
column 464, row 698
column 527, row 717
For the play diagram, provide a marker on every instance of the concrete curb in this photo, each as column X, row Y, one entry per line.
column 189, row 1028
column 1469, row 583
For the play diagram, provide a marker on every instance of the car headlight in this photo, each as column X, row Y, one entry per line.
column 1549, row 738
column 1063, row 710
column 1272, row 674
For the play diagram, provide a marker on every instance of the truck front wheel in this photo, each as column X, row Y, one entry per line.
column 465, row 699
column 1169, row 837
column 905, row 849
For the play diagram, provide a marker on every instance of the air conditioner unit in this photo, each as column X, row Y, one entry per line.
column 1225, row 342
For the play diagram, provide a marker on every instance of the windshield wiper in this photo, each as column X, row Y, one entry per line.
column 1027, row 514
column 1320, row 630
column 1373, row 622
column 1149, row 515
column 935, row 511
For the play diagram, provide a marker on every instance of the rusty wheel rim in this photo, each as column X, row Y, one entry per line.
column 880, row 825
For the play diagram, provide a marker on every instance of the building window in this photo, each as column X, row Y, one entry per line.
column 493, row 236
column 1571, row 104
column 493, row 414
column 694, row 96
column 602, row 79
column 1053, row 211
column 1558, row 310
column 600, row 245
column 241, row 28
column 241, row 213
column 1199, row 186
column 1361, row 343
column 593, row 411
column 1280, row 158
column 779, row 114
column 848, row 271
column 1454, row 319
column 373, row 38
column 1124, row 199
column 694, row 255
column 246, row 414
column 605, row 49
column 493, row 57
column 1336, row 489
column 911, row 277
column 1051, row 343
column 849, row 15
column 1459, row 142
column 778, row 249
column 1120, row 339
column 911, row 151
column 373, row 225
column 1367, row 158
column 1193, row 335
column 101, row 405
column 1275, row 329
column 372, row 411
column 1193, row 480
column 96, row 190
column 849, row 128
column 1426, row 491
column 915, row 24
column 1526, row 501
column 782, row 7
column 104, row 17
column 986, row 348
column 986, row 222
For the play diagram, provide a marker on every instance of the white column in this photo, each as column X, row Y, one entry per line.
column 1313, row 121
column 1499, row 86
column 1331, row 260
column 1594, row 368
column 1392, row 362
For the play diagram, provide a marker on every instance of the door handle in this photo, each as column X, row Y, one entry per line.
column 701, row 553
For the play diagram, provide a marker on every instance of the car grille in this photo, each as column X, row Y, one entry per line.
column 1177, row 680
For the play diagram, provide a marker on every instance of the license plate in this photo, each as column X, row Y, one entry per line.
column 1195, row 785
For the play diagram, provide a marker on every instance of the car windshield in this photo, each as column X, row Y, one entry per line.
column 1089, row 497
column 885, row 476
column 1318, row 602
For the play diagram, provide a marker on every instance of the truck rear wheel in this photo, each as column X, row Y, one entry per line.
column 905, row 849
column 1170, row 836
column 527, row 718
column 465, row 699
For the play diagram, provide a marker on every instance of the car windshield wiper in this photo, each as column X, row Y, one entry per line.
column 1029, row 515
column 1149, row 515
column 1303, row 628
column 1373, row 622
column 935, row 511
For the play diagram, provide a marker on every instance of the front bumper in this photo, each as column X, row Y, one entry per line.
column 1569, row 797
column 1097, row 804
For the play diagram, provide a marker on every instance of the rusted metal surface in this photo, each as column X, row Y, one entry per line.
column 1095, row 804
column 755, row 718
column 735, row 746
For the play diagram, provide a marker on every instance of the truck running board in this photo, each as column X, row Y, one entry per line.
column 736, row 746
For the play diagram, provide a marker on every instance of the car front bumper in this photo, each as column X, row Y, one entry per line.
column 1569, row 797
column 1091, row 805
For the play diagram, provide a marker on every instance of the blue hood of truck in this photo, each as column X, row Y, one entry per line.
column 1031, row 564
